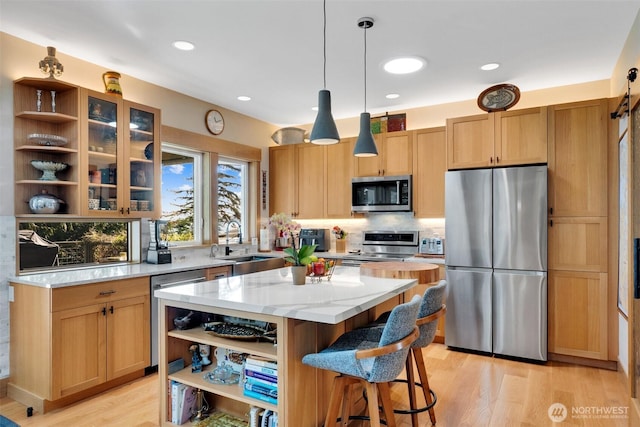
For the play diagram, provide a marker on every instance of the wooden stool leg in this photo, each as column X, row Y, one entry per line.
column 339, row 385
column 346, row 402
column 422, row 372
column 372, row 396
column 411, row 388
column 387, row 405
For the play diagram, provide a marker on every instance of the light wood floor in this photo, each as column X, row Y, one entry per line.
column 472, row 390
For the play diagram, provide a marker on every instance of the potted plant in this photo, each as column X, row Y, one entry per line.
column 299, row 259
column 285, row 229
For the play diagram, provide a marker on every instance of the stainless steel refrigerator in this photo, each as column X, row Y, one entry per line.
column 496, row 260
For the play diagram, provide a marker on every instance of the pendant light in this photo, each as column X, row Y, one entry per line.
column 324, row 131
column 365, row 145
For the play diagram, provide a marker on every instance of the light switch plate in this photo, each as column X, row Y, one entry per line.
column 11, row 296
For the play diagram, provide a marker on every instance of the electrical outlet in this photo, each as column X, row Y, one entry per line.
column 11, row 296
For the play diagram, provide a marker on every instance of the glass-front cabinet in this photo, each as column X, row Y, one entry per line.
column 121, row 147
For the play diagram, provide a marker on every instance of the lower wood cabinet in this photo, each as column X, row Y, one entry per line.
column 578, row 308
column 71, row 342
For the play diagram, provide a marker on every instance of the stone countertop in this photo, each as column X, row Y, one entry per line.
column 103, row 273
column 272, row 292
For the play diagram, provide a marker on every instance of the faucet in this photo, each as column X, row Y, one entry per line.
column 227, row 251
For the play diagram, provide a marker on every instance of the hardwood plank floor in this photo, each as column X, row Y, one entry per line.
column 472, row 390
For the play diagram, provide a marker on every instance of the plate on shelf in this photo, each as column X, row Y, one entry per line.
column 499, row 98
column 148, row 152
column 48, row 140
column 237, row 332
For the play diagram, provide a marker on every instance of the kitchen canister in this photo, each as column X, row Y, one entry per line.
column 265, row 243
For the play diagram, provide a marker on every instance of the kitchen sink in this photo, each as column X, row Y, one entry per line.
column 254, row 263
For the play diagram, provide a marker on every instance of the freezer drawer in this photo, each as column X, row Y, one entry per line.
column 520, row 314
column 468, row 320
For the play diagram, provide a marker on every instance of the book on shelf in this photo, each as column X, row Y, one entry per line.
column 265, row 377
column 248, row 366
column 187, row 403
column 261, row 361
column 255, row 380
column 267, row 390
column 260, row 396
column 269, row 419
column 176, row 389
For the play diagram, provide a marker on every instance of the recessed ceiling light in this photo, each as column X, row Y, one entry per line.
column 392, row 96
column 244, row 98
column 490, row 66
column 183, row 45
column 406, row 65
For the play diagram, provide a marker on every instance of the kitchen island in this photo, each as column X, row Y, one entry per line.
column 307, row 319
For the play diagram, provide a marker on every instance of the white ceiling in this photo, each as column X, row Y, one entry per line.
column 271, row 50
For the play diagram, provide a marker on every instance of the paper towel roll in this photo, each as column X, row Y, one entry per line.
column 265, row 244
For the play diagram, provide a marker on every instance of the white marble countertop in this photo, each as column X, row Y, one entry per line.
column 102, row 273
column 272, row 292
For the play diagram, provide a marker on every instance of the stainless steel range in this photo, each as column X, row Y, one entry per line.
column 384, row 246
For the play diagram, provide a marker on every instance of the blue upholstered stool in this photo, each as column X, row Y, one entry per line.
column 373, row 356
column 431, row 309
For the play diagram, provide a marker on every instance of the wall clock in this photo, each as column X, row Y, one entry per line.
column 214, row 121
column 499, row 98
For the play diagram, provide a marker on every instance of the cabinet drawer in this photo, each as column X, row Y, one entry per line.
column 83, row 295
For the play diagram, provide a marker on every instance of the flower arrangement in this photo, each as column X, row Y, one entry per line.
column 339, row 233
column 283, row 224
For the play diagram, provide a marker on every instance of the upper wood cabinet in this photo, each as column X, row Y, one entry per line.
column 121, row 157
column 429, row 167
column 502, row 138
column 46, row 127
column 394, row 156
column 340, row 164
column 110, row 146
column 297, row 180
column 578, row 159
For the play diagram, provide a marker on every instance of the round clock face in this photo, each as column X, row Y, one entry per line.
column 214, row 122
column 499, row 98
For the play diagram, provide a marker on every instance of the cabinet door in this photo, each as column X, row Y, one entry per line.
column 397, row 154
column 470, row 142
column 141, row 161
column 127, row 336
column 338, row 175
column 102, row 146
column 282, row 186
column 521, row 137
column 371, row 166
column 578, row 314
column 429, row 166
column 78, row 349
column 311, row 191
column 578, row 244
column 578, row 159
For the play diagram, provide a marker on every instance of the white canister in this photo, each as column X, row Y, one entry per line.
column 265, row 244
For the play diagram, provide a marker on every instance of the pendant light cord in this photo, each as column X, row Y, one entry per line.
column 365, row 68
column 324, row 43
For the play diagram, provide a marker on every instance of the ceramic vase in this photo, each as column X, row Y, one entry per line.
column 299, row 274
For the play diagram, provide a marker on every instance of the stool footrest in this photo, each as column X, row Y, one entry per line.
column 416, row 410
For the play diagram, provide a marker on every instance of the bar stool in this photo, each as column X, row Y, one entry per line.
column 431, row 309
column 373, row 356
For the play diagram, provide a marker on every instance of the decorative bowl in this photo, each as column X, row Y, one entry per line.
column 45, row 203
column 45, row 139
column 48, row 169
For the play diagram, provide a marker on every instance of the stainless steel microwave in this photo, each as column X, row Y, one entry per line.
column 381, row 194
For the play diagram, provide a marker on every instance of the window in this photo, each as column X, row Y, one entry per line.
column 46, row 245
column 181, row 194
column 232, row 197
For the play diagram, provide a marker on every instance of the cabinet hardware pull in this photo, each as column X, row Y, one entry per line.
column 550, row 211
column 121, row 211
column 219, row 276
column 128, row 211
column 111, row 309
column 550, row 223
column 104, row 311
column 497, row 159
column 106, row 293
column 490, row 159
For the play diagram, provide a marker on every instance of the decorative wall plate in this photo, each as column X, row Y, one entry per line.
column 499, row 97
